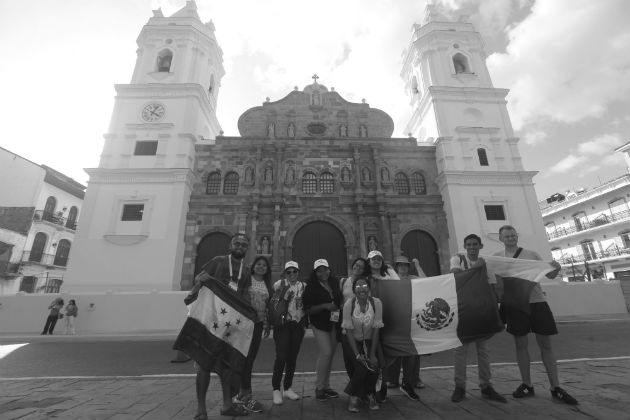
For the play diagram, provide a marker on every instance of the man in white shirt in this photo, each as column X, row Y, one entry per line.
column 461, row 262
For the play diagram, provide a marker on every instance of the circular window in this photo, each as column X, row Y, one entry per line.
column 317, row 128
column 455, row 45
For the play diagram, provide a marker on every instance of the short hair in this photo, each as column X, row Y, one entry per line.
column 240, row 235
column 506, row 227
column 472, row 236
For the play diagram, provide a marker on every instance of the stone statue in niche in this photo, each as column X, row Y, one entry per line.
column 249, row 175
column 268, row 174
column 384, row 175
column 316, row 99
column 365, row 173
column 343, row 130
column 345, row 174
column 459, row 67
column 289, row 176
column 265, row 246
column 363, row 131
column 291, row 130
column 271, row 130
column 372, row 243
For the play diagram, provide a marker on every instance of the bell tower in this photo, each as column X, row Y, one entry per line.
column 130, row 235
column 456, row 108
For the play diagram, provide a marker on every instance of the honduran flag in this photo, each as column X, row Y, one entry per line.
column 437, row 313
column 218, row 331
column 516, row 278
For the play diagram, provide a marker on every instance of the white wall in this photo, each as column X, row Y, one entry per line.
column 21, row 180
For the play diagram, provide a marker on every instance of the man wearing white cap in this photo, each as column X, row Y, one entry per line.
column 322, row 301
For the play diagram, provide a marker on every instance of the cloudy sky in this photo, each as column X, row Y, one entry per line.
column 566, row 63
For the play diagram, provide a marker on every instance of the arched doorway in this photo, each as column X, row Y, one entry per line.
column 213, row 244
column 419, row 244
column 320, row 240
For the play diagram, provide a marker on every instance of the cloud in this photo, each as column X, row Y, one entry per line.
column 533, row 138
column 566, row 61
column 590, row 151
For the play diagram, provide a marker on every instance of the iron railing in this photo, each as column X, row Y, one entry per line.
column 44, row 259
column 56, row 219
column 585, row 224
column 591, row 256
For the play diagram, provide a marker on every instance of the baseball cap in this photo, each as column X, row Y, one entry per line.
column 319, row 263
column 375, row 253
column 401, row 260
column 291, row 264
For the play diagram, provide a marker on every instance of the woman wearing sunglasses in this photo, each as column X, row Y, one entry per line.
column 288, row 337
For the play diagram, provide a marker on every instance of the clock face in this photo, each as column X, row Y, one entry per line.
column 153, row 112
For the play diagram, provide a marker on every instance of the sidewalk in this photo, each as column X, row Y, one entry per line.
column 602, row 388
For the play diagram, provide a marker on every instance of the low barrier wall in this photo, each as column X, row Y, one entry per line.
column 160, row 312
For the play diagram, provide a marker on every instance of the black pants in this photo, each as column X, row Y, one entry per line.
column 410, row 368
column 348, row 355
column 246, row 377
column 51, row 321
column 288, row 340
column 363, row 381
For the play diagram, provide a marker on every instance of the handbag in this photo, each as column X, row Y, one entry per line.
column 278, row 307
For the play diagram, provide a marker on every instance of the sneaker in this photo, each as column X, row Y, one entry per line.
column 420, row 385
column 292, row 395
column 489, row 393
column 235, row 410
column 523, row 391
column 253, row 406
column 562, row 395
column 381, row 395
column 320, row 395
column 458, row 395
column 409, row 392
column 330, row 393
column 277, row 397
column 372, row 404
column 353, row 404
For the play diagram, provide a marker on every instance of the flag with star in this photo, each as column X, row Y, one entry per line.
column 218, row 331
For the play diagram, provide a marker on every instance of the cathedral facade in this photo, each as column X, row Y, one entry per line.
column 310, row 176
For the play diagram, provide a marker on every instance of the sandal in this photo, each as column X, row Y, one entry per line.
column 236, row 410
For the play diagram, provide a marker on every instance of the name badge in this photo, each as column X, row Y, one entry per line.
column 334, row 316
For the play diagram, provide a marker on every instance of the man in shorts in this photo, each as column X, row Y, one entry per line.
column 540, row 321
column 461, row 262
column 228, row 269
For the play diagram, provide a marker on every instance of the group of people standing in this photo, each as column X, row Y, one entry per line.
column 348, row 311
column 56, row 314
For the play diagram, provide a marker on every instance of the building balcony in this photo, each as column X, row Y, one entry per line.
column 49, row 260
column 41, row 215
column 586, row 224
column 8, row 269
column 609, row 254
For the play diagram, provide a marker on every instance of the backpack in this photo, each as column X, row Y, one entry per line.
column 278, row 307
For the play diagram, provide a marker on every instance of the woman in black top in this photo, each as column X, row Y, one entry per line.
column 322, row 302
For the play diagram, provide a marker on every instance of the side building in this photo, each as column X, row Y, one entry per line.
column 39, row 210
column 589, row 230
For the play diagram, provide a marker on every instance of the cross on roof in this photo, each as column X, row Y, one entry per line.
column 315, row 77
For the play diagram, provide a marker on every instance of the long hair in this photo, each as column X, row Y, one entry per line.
column 367, row 270
column 246, row 283
column 312, row 279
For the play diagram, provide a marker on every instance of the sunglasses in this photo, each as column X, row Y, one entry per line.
column 292, row 271
column 364, row 286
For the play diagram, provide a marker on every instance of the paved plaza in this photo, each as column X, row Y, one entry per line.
column 602, row 387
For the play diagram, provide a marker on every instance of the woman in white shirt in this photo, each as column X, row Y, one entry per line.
column 362, row 319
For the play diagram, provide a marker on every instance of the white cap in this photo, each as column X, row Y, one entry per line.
column 375, row 253
column 319, row 263
column 291, row 264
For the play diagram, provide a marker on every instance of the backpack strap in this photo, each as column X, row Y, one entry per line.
column 517, row 253
column 462, row 260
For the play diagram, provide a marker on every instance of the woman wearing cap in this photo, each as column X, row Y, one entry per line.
column 288, row 338
column 322, row 301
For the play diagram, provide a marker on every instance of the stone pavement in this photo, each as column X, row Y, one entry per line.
column 602, row 387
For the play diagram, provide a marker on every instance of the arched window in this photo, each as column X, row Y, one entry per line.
column 418, row 184
column 37, row 250
column 327, row 183
column 49, row 209
column 460, row 63
column 71, row 223
column 63, row 251
column 213, row 184
column 164, row 60
column 309, row 183
column 401, row 183
column 230, row 185
column 483, row 156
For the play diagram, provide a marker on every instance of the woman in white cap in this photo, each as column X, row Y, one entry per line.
column 322, row 302
column 288, row 337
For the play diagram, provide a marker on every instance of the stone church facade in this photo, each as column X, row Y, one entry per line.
column 310, row 175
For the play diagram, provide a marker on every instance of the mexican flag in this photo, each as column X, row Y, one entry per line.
column 438, row 313
column 218, row 331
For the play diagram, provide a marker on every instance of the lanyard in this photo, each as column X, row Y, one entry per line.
column 240, row 270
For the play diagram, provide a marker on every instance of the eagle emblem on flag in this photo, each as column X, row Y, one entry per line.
column 436, row 315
